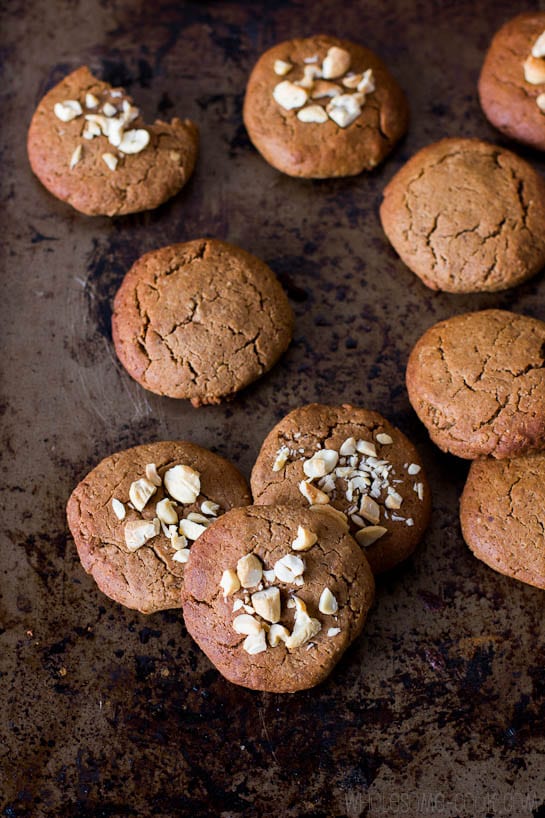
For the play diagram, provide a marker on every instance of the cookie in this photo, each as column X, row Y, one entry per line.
column 467, row 216
column 275, row 594
column 354, row 461
column 89, row 146
column 200, row 320
column 512, row 80
column 476, row 382
column 136, row 515
column 323, row 107
column 502, row 512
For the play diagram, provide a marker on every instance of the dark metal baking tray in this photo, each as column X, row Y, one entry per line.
column 439, row 708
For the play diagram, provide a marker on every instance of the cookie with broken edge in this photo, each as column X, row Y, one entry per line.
column 200, row 320
column 89, row 146
column 321, row 107
column 135, row 516
column 274, row 595
column 352, row 462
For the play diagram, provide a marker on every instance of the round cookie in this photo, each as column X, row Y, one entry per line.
column 322, row 107
column 476, row 382
column 512, row 79
column 502, row 512
column 137, row 553
column 200, row 320
column 89, row 146
column 371, row 472
column 304, row 608
column 467, row 216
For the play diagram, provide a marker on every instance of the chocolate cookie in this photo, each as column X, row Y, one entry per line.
column 89, row 146
column 467, row 216
column 476, row 382
column 136, row 515
column 274, row 595
column 200, row 320
column 512, row 81
column 323, row 107
column 502, row 512
column 354, row 461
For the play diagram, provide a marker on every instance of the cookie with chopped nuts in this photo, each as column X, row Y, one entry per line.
column 89, row 146
column 200, row 320
column 352, row 463
column 485, row 235
column 321, row 107
column 476, row 382
column 512, row 80
column 135, row 517
column 502, row 513
column 275, row 594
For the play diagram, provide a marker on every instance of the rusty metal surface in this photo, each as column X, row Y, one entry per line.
column 439, row 709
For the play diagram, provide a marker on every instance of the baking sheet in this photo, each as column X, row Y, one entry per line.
column 439, row 708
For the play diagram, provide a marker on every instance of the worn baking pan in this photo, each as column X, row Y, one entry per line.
column 439, row 708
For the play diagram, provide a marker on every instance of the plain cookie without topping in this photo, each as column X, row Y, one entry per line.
column 270, row 617
column 323, row 107
column 476, row 381
column 364, row 467
column 467, row 216
column 135, row 557
column 200, row 320
column 502, row 513
column 88, row 146
column 508, row 99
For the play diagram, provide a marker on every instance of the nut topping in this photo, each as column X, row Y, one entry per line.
column 313, row 494
column 333, row 631
column 67, row 110
column 91, row 101
column 191, row 530
column 538, row 48
column 110, row 160
column 281, row 458
column 321, row 463
column 336, row 63
column 267, row 604
column 249, row 571
column 229, row 583
column 183, row 483
column 182, row 555
column 255, row 643
column 305, row 627
column 367, row 536
column 109, row 109
column 166, row 512
column 322, row 89
column 76, row 156
column 210, row 508
column 281, row 67
column 277, row 634
column 140, row 492
column 289, row 95
column 305, row 539
column 348, row 447
column 333, row 512
column 246, row 624
column 369, row 509
column 288, row 568
column 384, row 439
column 119, row 509
column 534, row 70
column 138, row 532
column 153, row 475
column 134, row 141
column 328, row 603
column 312, row 113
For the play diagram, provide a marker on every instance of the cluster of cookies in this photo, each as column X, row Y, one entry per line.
column 277, row 582
column 272, row 592
column 477, row 383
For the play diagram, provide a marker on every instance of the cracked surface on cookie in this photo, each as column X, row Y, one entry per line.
column 334, row 561
column 147, row 579
column 502, row 513
column 140, row 182
column 508, row 101
column 466, row 216
column 200, row 320
column 324, row 150
column 477, row 383
column 318, row 426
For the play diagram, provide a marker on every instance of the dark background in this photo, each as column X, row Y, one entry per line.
column 439, row 708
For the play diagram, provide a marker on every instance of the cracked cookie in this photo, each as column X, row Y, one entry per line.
column 512, row 80
column 476, row 381
column 275, row 594
column 200, row 320
column 502, row 513
column 136, row 515
column 89, row 146
column 323, row 107
column 467, row 216
column 353, row 463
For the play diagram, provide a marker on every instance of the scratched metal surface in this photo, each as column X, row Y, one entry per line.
column 439, row 709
